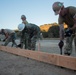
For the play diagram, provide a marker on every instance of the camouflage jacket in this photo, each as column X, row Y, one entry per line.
column 31, row 30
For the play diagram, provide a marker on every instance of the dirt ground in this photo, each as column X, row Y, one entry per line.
column 17, row 65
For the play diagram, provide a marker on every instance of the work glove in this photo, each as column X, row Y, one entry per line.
column 61, row 44
column 19, row 45
column 4, row 40
column 68, row 33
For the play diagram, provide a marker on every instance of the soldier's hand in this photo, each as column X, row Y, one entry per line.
column 19, row 45
column 4, row 40
column 61, row 44
column 68, row 33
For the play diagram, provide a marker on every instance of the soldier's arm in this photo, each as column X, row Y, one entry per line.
column 61, row 32
column 6, row 36
column 61, row 28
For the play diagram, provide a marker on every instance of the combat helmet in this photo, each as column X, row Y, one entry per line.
column 23, row 16
column 57, row 6
column 21, row 27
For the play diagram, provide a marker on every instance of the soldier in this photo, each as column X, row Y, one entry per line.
column 9, row 36
column 66, row 15
column 29, row 35
column 23, row 17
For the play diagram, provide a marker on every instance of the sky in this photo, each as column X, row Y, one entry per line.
column 38, row 12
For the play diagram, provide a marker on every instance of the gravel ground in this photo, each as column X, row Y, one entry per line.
column 17, row 65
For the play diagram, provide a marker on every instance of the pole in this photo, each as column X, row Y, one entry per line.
column 39, row 45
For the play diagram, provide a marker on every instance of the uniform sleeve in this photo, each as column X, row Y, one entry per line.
column 60, row 20
column 36, row 30
column 61, row 27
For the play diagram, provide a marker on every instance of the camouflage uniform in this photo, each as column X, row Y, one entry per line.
column 29, row 36
column 69, row 20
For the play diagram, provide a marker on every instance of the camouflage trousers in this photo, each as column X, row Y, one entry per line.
column 33, row 42
column 69, row 44
column 29, row 43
